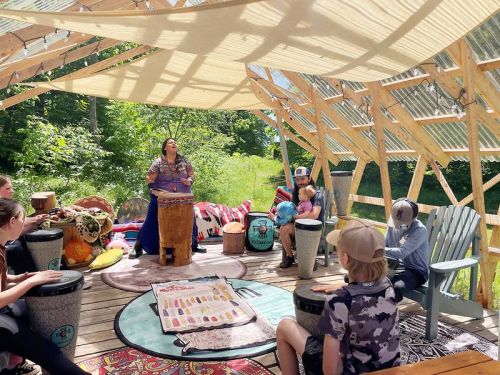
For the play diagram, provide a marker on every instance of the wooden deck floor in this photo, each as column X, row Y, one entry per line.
column 101, row 303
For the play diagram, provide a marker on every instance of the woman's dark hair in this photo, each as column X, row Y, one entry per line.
column 178, row 157
column 8, row 209
column 295, row 192
column 3, row 180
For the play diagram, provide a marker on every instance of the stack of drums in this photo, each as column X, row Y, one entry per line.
column 45, row 247
column 54, row 310
column 260, row 232
column 308, row 308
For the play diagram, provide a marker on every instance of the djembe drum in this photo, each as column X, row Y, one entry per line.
column 308, row 307
column 175, row 222
column 39, row 202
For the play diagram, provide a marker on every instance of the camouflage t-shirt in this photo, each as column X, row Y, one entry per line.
column 363, row 317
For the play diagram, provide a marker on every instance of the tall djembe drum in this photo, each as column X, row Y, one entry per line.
column 175, row 222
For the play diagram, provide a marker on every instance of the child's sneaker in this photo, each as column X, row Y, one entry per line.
column 24, row 368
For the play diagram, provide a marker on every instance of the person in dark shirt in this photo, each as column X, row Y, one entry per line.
column 302, row 178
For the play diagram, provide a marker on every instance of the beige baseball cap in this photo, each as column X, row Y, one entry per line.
column 359, row 240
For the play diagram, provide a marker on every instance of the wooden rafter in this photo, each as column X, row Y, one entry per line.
column 306, row 146
column 482, row 84
column 394, row 127
column 94, row 68
column 382, row 157
column 406, row 119
column 10, row 44
column 365, row 149
column 56, row 62
column 264, row 94
column 454, row 89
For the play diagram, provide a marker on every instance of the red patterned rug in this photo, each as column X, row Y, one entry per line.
column 129, row 361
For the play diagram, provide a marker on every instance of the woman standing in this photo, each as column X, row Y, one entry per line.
column 15, row 336
column 170, row 173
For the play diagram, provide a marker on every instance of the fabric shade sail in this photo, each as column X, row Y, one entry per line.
column 357, row 40
column 172, row 79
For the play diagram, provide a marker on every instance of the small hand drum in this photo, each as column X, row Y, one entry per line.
column 38, row 202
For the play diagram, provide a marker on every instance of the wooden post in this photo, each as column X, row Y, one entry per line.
column 417, row 179
column 475, row 168
column 284, row 150
column 356, row 180
column 382, row 157
column 444, row 184
column 316, row 168
column 320, row 126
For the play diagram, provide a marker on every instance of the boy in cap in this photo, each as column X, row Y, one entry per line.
column 406, row 241
column 359, row 321
column 302, row 178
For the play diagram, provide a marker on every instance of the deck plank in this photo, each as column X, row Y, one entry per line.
column 101, row 303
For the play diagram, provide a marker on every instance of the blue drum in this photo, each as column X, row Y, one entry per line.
column 260, row 232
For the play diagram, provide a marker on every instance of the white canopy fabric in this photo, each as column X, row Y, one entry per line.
column 357, row 40
column 171, row 79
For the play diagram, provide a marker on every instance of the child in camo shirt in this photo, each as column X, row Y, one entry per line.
column 359, row 321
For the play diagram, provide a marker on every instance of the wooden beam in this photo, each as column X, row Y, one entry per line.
column 316, row 168
column 306, row 146
column 444, row 184
column 412, row 127
column 264, row 95
column 470, row 76
column 357, row 175
column 482, row 84
column 374, row 87
column 284, row 150
column 10, row 44
column 366, row 149
column 58, row 61
column 487, row 185
column 320, row 126
column 417, row 179
column 94, row 68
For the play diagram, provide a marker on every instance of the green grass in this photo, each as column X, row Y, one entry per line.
column 248, row 177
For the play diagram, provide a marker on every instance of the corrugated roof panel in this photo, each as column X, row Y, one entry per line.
column 39, row 5
column 484, row 41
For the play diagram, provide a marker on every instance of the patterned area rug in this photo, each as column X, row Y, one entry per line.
column 450, row 339
column 136, row 275
column 132, row 362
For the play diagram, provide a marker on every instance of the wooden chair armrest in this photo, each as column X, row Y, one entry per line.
column 454, row 265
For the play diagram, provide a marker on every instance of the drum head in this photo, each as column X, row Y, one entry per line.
column 133, row 210
column 71, row 281
column 307, row 300
column 260, row 233
column 256, row 214
column 308, row 224
column 44, row 235
column 341, row 173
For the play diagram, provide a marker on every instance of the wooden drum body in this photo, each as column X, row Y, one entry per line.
column 175, row 221
column 43, row 202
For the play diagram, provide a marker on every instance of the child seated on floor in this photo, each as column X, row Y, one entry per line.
column 359, row 321
column 305, row 204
